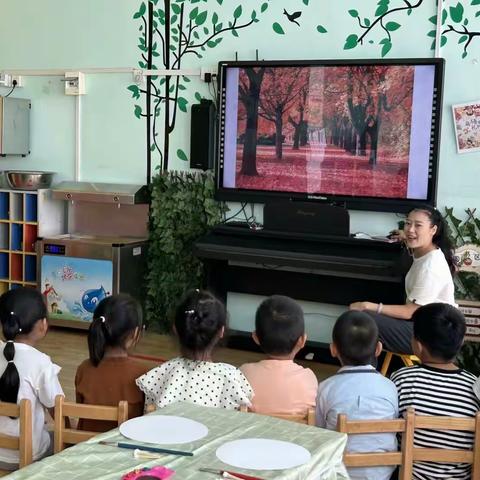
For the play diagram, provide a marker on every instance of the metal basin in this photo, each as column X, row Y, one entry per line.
column 28, row 180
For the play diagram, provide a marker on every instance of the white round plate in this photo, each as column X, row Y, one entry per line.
column 163, row 429
column 263, row 454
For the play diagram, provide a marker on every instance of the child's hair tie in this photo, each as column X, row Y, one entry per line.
column 189, row 312
column 10, row 341
column 12, row 313
column 10, row 361
column 102, row 318
column 19, row 330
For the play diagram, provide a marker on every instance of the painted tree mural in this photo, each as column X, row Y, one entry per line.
column 385, row 18
column 171, row 31
column 456, row 23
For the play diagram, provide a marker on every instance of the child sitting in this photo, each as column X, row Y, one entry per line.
column 25, row 371
column 437, row 386
column 358, row 390
column 193, row 377
column 108, row 376
column 279, row 384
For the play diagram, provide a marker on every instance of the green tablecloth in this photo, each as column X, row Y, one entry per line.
column 91, row 461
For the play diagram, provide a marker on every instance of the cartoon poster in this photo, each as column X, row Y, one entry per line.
column 73, row 287
column 466, row 118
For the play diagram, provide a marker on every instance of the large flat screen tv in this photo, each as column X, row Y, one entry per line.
column 359, row 133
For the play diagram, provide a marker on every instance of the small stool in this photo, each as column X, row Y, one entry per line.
column 408, row 361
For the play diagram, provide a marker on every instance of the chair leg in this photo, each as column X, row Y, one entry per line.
column 386, row 363
column 407, row 360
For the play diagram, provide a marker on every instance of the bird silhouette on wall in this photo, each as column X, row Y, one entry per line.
column 292, row 16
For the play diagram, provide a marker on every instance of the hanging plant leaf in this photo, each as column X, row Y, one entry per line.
column 214, row 18
column 321, row 29
column 237, row 12
column 264, row 7
column 351, row 42
column 182, row 104
column 353, row 13
column 141, row 11
column 277, row 28
column 193, row 13
column 135, row 91
column 138, row 111
column 201, row 17
column 392, row 26
column 456, row 13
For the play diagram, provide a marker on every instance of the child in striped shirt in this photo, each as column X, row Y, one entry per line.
column 438, row 387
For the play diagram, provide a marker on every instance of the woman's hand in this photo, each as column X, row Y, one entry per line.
column 364, row 306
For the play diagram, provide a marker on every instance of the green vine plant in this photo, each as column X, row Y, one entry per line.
column 457, row 23
column 383, row 20
column 171, row 31
column 467, row 284
column 293, row 16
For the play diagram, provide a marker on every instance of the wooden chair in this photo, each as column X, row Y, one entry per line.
column 402, row 458
column 408, row 361
column 409, row 454
column 22, row 443
column 70, row 436
column 307, row 418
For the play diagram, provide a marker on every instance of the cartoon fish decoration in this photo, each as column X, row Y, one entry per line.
column 91, row 298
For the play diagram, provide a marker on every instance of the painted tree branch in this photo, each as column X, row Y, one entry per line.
column 466, row 32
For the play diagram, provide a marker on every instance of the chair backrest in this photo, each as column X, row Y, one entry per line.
column 409, row 454
column 375, row 459
column 22, row 443
column 307, row 418
column 64, row 435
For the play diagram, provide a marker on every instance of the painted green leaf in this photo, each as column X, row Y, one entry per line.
column 277, row 28
column 353, row 13
column 182, row 104
column 181, row 155
column 366, row 21
column 351, row 42
column 381, row 10
column 234, row 33
column 443, row 40
column 475, row 2
column 465, row 22
column 305, row 2
column 185, row 79
column 211, row 43
column 215, row 18
column 182, row 87
column 193, row 13
column 264, row 7
column 409, row 11
column 218, row 27
column 173, row 19
column 138, row 111
column 387, row 46
column 219, row 2
column 201, row 17
column 392, row 26
column 253, row 16
column 433, row 19
column 205, row 30
column 196, row 35
column 198, row 97
column 463, row 38
column 321, row 29
column 135, row 91
column 464, row 54
column 456, row 13
column 176, row 8
column 444, row 16
column 141, row 11
column 432, row 33
column 152, row 147
column 237, row 12
column 477, row 14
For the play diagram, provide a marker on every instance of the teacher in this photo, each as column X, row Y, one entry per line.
column 429, row 280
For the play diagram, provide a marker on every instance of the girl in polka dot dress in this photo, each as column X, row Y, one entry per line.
column 193, row 377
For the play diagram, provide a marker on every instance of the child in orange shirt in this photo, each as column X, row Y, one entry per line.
column 279, row 384
column 108, row 376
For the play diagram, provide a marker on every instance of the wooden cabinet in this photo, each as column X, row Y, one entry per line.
column 18, row 234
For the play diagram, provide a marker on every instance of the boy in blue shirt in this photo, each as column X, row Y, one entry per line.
column 358, row 390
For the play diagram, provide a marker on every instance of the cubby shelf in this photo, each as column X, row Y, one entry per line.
column 18, row 234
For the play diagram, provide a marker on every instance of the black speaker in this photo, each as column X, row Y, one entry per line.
column 202, row 135
column 304, row 217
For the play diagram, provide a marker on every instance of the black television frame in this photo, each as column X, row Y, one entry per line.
column 357, row 203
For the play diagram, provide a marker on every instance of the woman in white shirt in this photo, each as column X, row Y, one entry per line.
column 24, row 371
column 194, row 377
column 429, row 280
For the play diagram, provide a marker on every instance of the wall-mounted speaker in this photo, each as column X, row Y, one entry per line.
column 202, row 135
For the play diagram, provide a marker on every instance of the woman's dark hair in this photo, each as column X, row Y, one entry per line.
column 441, row 238
column 114, row 319
column 279, row 323
column 440, row 328
column 20, row 310
column 198, row 320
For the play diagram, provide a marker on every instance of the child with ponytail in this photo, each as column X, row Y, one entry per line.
column 25, row 371
column 194, row 377
column 108, row 376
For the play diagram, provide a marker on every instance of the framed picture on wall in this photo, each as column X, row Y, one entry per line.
column 466, row 119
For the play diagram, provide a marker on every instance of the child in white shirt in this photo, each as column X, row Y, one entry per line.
column 24, row 371
column 194, row 377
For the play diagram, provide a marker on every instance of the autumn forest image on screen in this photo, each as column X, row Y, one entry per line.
column 341, row 130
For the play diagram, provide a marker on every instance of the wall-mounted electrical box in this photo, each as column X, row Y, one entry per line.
column 14, row 126
column 74, row 83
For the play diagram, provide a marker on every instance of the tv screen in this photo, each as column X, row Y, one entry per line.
column 362, row 133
